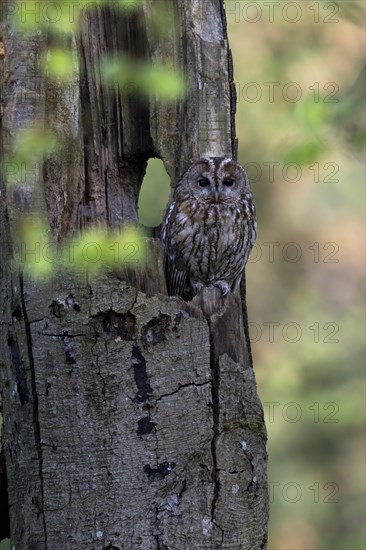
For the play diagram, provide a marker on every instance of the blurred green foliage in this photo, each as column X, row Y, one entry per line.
column 94, row 250
column 58, row 64
column 60, row 16
column 141, row 78
column 30, row 147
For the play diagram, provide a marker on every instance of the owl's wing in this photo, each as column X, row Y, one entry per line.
column 250, row 235
column 175, row 278
column 175, row 273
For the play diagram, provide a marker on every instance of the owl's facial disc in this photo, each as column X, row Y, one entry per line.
column 211, row 189
column 216, row 180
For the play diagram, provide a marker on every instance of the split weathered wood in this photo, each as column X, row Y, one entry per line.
column 130, row 418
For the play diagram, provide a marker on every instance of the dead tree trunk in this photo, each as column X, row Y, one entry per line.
column 130, row 420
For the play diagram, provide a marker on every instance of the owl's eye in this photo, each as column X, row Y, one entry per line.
column 228, row 182
column 203, row 182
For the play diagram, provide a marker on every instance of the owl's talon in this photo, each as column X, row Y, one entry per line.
column 223, row 286
column 197, row 287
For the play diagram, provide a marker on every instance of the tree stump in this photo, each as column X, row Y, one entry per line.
column 130, row 418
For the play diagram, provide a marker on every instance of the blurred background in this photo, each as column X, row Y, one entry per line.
column 300, row 79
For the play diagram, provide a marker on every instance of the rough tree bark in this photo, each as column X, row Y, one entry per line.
column 130, row 419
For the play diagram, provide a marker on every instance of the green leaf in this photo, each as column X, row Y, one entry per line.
column 31, row 145
column 161, row 81
column 162, row 20
column 65, row 17
column 117, row 71
column 96, row 249
column 18, row 169
column 27, row 15
column 86, row 252
column 59, row 64
column 34, row 143
column 128, row 5
column 126, row 247
column 56, row 16
column 32, row 248
column 143, row 79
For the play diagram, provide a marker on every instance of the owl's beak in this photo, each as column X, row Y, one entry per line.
column 216, row 196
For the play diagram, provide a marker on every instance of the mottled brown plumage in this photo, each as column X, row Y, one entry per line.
column 209, row 227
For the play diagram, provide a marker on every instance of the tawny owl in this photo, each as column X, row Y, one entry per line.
column 209, row 227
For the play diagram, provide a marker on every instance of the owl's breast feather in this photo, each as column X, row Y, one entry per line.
column 194, row 211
